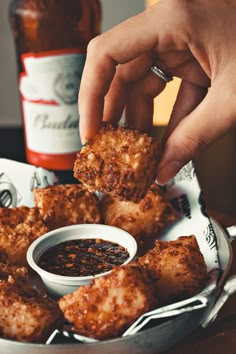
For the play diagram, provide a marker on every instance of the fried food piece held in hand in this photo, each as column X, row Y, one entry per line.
column 19, row 227
column 26, row 315
column 178, row 267
column 110, row 304
column 63, row 205
column 142, row 220
column 118, row 161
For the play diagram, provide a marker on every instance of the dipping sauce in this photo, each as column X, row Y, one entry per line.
column 83, row 257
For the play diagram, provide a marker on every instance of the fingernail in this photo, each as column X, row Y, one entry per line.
column 166, row 172
column 83, row 141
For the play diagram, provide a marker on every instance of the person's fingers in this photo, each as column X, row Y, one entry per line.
column 182, row 64
column 139, row 104
column 120, row 45
column 91, row 99
column 188, row 98
column 126, row 74
column 212, row 118
column 104, row 53
column 138, row 96
column 115, row 101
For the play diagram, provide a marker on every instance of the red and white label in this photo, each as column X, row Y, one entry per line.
column 49, row 89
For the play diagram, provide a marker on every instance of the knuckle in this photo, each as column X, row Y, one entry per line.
column 187, row 147
column 193, row 145
column 185, row 9
column 94, row 46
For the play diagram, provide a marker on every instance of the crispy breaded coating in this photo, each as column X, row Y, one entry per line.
column 19, row 227
column 144, row 219
column 68, row 204
column 118, row 161
column 26, row 315
column 12, row 274
column 110, row 304
column 178, row 266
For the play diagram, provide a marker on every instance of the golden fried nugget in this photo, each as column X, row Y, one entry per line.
column 178, row 267
column 12, row 274
column 26, row 315
column 68, row 204
column 110, row 304
column 144, row 219
column 118, row 161
column 19, row 227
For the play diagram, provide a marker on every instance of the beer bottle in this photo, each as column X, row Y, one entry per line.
column 51, row 38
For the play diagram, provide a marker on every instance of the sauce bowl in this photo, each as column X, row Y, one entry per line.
column 60, row 285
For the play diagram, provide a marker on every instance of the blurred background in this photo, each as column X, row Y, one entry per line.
column 216, row 168
column 114, row 12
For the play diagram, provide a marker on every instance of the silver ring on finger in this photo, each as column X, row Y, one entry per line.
column 161, row 74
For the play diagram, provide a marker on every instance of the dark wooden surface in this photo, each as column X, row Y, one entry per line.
column 219, row 337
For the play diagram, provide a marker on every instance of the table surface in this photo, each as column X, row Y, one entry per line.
column 220, row 336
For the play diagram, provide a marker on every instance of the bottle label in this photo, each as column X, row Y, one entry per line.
column 49, row 89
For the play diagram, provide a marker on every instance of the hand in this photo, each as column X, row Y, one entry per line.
column 194, row 40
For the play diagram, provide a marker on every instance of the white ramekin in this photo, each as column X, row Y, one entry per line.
column 59, row 285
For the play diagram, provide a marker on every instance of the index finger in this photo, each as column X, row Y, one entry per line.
column 119, row 45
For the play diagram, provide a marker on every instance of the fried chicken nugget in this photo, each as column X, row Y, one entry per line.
column 110, row 304
column 26, row 315
column 142, row 220
column 178, row 267
column 118, row 161
column 10, row 273
column 68, row 204
column 19, row 227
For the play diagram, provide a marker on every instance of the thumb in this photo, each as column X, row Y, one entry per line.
column 210, row 120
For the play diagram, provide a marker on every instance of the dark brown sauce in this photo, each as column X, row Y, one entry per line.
column 83, row 257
